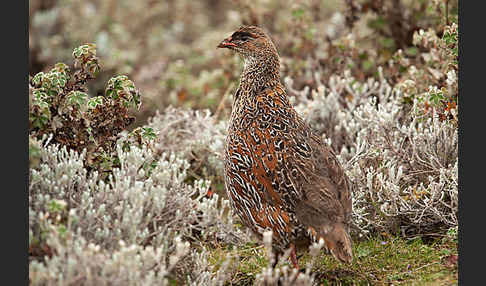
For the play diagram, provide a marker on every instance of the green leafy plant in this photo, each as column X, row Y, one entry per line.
column 61, row 107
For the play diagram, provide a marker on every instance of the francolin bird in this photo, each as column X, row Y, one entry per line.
column 279, row 174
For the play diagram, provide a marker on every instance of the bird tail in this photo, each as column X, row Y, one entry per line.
column 338, row 242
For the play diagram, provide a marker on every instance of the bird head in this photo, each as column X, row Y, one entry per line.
column 250, row 42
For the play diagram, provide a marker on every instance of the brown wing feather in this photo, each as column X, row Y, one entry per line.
column 312, row 166
column 327, row 197
column 323, row 202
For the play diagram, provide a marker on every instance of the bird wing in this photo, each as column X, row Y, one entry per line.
column 316, row 188
column 311, row 181
column 326, row 191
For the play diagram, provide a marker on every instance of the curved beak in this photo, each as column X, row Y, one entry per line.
column 226, row 43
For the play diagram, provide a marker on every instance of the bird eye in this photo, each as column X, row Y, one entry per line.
column 242, row 36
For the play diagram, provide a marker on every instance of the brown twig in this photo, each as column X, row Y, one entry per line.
column 447, row 11
column 221, row 103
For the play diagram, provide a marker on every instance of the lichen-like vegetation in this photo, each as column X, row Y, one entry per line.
column 128, row 109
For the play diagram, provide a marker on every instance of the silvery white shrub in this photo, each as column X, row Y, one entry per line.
column 403, row 163
column 132, row 228
column 195, row 134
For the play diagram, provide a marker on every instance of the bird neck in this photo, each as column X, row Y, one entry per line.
column 259, row 74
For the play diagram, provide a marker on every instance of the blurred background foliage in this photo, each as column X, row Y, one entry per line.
column 168, row 48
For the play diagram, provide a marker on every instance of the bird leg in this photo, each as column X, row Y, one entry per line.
column 293, row 257
column 275, row 262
